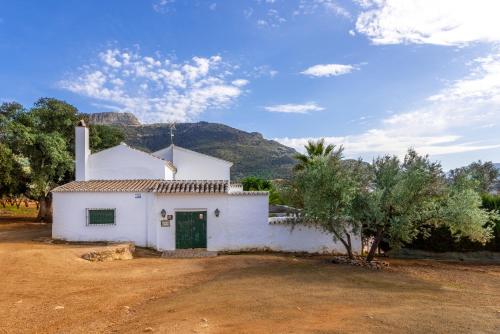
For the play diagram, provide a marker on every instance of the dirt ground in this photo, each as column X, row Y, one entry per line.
column 48, row 288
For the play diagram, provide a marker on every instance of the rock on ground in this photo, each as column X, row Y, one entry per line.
column 116, row 252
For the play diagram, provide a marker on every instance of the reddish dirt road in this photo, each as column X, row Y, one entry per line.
column 48, row 288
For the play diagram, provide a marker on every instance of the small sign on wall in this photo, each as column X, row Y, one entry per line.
column 137, row 196
column 165, row 222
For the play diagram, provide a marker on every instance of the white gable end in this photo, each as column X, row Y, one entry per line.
column 125, row 163
column 192, row 165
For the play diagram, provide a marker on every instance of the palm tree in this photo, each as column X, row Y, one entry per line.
column 315, row 149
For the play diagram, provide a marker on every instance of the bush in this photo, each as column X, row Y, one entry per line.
column 441, row 239
column 492, row 202
column 252, row 183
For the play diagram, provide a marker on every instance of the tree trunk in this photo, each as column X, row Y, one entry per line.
column 349, row 252
column 3, row 203
column 45, row 209
column 374, row 246
column 347, row 244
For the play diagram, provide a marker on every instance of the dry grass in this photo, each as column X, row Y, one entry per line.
column 48, row 288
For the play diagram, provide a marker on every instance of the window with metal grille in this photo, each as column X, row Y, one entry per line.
column 100, row 216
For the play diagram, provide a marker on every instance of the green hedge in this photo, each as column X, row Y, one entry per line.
column 441, row 239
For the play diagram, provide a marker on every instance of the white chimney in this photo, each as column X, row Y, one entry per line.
column 82, row 152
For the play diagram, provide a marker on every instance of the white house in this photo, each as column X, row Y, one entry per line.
column 170, row 199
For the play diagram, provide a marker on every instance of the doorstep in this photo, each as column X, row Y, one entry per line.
column 189, row 253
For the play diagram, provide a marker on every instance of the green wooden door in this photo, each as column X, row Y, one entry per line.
column 191, row 229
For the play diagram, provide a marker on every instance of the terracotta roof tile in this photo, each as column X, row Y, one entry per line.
column 249, row 193
column 158, row 186
column 108, row 186
column 194, row 186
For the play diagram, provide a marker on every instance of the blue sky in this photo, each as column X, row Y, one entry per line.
column 376, row 76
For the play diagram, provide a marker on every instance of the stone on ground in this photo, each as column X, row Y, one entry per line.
column 115, row 252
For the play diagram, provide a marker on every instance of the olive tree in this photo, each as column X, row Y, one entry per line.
column 483, row 174
column 41, row 139
column 406, row 196
column 327, row 187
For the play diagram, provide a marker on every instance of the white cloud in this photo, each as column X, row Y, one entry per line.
column 328, row 70
column 378, row 142
column 155, row 88
column 276, row 14
column 272, row 19
column 162, row 6
column 450, row 121
column 325, row 6
column 240, row 82
column 261, row 71
column 441, row 22
column 294, row 108
column 248, row 12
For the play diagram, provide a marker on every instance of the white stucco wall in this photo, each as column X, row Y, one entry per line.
column 70, row 220
column 237, row 225
column 195, row 166
column 241, row 225
column 123, row 162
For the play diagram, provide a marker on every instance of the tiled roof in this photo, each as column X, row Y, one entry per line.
column 208, row 186
column 157, row 186
column 249, row 192
column 108, row 186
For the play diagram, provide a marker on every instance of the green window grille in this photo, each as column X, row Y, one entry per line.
column 101, row 216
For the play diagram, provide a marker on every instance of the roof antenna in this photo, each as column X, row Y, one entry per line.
column 171, row 125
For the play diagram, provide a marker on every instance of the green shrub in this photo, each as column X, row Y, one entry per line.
column 253, row 183
column 441, row 239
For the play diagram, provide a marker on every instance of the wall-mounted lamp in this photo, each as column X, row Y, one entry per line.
column 163, row 213
column 217, row 212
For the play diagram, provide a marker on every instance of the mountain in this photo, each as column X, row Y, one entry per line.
column 114, row 118
column 249, row 151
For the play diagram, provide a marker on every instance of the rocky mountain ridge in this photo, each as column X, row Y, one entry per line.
column 114, row 118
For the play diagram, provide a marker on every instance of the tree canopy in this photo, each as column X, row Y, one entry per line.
column 391, row 199
column 484, row 175
column 37, row 147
